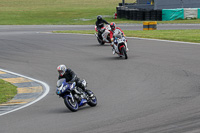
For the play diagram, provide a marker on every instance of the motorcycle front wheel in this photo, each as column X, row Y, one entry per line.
column 124, row 52
column 71, row 105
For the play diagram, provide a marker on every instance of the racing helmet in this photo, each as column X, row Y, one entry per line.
column 112, row 26
column 61, row 69
column 99, row 17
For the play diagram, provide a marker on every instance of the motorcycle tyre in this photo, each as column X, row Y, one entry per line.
column 69, row 106
column 124, row 53
column 100, row 41
column 91, row 102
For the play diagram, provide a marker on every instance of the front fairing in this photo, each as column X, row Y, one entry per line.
column 119, row 42
column 63, row 87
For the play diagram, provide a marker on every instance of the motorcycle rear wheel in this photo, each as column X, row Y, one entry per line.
column 100, row 41
column 93, row 100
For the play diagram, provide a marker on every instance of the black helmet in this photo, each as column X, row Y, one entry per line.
column 99, row 17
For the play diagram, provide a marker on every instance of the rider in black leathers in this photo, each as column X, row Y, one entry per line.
column 69, row 75
column 100, row 24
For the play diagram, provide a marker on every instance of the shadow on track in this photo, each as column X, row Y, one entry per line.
column 95, row 45
column 66, row 110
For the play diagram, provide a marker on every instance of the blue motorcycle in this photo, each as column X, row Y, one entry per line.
column 73, row 96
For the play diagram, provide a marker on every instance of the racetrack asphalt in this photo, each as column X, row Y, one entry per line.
column 157, row 90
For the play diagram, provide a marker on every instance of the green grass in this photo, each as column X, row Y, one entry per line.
column 175, row 35
column 62, row 12
column 7, row 91
column 54, row 11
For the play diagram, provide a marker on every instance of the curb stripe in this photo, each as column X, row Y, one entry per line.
column 16, row 102
column 1, row 72
column 17, row 80
column 23, row 94
column 29, row 91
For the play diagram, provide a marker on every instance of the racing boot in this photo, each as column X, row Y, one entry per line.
column 126, row 47
column 105, row 40
column 86, row 91
column 113, row 51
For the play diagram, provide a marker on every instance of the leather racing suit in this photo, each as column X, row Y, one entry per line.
column 100, row 24
column 112, row 32
column 71, row 76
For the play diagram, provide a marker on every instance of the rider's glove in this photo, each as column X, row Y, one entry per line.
column 112, row 39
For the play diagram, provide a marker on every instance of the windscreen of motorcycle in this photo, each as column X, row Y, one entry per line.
column 59, row 82
column 118, row 34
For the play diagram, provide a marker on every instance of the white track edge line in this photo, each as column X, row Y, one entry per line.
column 131, row 37
column 165, row 40
column 47, row 88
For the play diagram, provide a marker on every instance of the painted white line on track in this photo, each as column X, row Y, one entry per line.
column 47, row 88
column 164, row 40
column 129, row 37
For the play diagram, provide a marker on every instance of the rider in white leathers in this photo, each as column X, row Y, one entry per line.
column 116, row 30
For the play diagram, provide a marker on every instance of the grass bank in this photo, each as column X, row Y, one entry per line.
column 57, row 12
column 175, row 35
column 62, row 12
column 7, row 91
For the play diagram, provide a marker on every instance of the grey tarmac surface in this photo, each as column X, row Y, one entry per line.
column 13, row 29
column 157, row 90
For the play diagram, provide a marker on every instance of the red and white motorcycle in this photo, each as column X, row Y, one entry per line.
column 104, row 35
column 120, row 45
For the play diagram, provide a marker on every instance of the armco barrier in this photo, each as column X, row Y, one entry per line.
column 139, row 14
column 147, row 15
column 153, row 15
column 180, row 13
column 172, row 14
column 157, row 15
column 198, row 16
column 190, row 13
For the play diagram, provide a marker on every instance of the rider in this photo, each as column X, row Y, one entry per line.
column 113, row 30
column 69, row 75
column 100, row 24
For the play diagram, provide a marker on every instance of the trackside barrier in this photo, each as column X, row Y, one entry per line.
column 198, row 14
column 152, row 25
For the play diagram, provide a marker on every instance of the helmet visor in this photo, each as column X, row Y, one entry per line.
column 61, row 72
column 113, row 27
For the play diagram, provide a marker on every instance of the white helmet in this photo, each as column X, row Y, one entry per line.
column 61, row 69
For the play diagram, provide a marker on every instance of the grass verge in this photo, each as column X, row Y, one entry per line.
column 63, row 12
column 7, row 91
column 175, row 35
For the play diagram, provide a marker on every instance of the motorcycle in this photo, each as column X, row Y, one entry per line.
column 104, row 34
column 120, row 45
column 74, row 97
